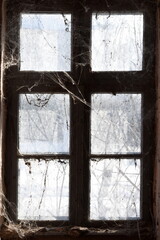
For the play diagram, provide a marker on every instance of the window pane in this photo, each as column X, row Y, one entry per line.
column 117, row 42
column 116, row 123
column 115, row 189
column 44, row 123
column 43, row 189
column 45, row 42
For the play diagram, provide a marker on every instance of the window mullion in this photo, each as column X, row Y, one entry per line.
column 77, row 158
column 11, row 163
column 79, row 178
column 147, row 152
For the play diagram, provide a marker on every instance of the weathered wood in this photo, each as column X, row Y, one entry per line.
column 77, row 231
column 157, row 164
column 13, row 231
column 91, row 82
column 2, row 109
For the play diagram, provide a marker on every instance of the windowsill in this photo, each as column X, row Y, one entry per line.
column 137, row 232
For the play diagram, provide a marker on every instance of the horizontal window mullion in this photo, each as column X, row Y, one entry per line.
column 61, row 7
column 136, row 77
column 39, row 78
column 95, row 5
column 115, row 88
column 117, row 6
column 102, row 87
column 44, row 156
column 117, row 156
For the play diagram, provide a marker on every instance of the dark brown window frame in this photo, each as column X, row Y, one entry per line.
column 108, row 82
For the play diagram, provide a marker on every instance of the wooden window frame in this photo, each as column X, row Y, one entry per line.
column 143, row 82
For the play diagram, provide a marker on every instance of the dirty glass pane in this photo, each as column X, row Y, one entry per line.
column 115, row 123
column 45, row 42
column 115, row 189
column 43, row 189
column 117, row 42
column 44, row 123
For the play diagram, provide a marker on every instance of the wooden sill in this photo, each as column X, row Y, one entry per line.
column 16, row 232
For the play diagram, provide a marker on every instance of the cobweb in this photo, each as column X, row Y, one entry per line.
column 44, row 119
column 45, row 45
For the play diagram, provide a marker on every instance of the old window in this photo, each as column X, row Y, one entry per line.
column 80, row 96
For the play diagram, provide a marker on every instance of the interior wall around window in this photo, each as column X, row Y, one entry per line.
column 157, row 129
column 2, row 110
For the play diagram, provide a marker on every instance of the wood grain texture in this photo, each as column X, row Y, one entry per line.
column 157, row 164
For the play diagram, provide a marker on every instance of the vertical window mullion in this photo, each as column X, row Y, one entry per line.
column 147, row 153
column 11, row 176
column 86, row 148
column 76, row 178
column 86, row 60
column 80, row 117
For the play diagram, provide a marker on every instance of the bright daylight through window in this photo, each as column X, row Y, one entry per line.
column 115, row 120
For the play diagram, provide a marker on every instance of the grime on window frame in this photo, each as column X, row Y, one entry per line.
column 98, row 103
